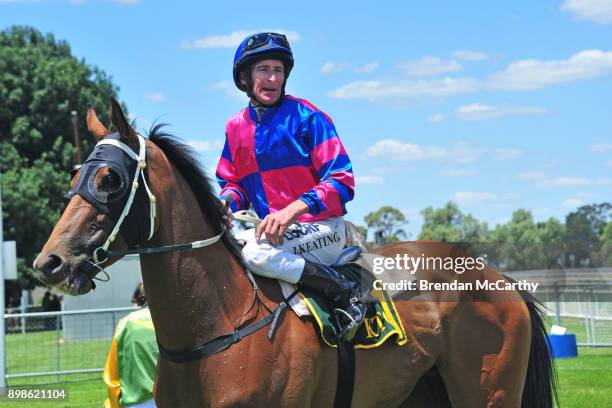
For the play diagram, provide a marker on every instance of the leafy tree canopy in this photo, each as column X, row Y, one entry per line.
column 41, row 83
column 583, row 229
column 451, row 225
column 389, row 220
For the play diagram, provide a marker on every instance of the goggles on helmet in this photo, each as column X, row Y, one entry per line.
column 258, row 40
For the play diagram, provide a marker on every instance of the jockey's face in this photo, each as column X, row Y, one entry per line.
column 268, row 77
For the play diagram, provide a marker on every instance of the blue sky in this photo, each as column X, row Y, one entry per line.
column 497, row 106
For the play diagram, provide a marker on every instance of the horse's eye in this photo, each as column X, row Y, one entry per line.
column 108, row 183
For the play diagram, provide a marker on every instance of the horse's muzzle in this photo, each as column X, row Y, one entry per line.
column 53, row 269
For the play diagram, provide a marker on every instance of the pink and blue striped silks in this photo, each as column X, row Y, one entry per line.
column 292, row 153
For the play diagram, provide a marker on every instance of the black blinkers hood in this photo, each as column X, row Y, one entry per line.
column 136, row 226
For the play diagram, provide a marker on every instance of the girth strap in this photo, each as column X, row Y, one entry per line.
column 214, row 346
column 223, row 342
column 346, row 374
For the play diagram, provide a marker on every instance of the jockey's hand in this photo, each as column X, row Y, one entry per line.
column 275, row 224
column 227, row 206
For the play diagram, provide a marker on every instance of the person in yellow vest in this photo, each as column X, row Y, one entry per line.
column 129, row 372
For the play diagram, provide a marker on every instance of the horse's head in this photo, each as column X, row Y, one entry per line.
column 108, row 184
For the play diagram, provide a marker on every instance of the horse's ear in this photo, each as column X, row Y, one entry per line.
column 118, row 120
column 94, row 125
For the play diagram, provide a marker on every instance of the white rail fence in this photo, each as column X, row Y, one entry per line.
column 58, row 346
column 73, row 345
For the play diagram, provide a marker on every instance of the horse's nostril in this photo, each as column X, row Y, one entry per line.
column 53, row 265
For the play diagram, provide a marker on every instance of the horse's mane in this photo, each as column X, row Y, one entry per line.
column 185, row 159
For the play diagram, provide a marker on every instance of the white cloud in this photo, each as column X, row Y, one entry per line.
column 578, row 200
column 520, row 75
column 601, row 147
column 438, row 117
column 458, row 173
column 598, row 11
column 573, row 203
column 122, row 2
column 405, row 89
column 393, row 149
column 369, row 180
column 506, row 154
column 561, row 182
column 480, row 197
column 485, row 199
column 234, row 39
column 541, row 211
column 428, row 66
column 222, row 85
column 207, row 145
column 478, row 111
column 536, row 74
column 397, row 150
column 532, row 175
column 386, row 170
column 464, row 153
column 369, row 67
column 230, row 90
column 468, row 55
column 331, row 67
column 155, row 97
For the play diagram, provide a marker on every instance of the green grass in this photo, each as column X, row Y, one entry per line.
column 82, row 394
column 37, row 352
column 585, row 381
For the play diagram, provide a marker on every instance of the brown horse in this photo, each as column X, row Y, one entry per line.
column 472, row 350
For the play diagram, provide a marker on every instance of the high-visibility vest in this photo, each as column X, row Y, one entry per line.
column 129, row 372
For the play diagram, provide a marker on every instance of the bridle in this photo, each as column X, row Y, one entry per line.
column 102, row 253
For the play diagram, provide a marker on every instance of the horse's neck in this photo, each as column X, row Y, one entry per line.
column 196, row 294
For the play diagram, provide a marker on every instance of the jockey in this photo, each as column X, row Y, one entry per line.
column 283, row 156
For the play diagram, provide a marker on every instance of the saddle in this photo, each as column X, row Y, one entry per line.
column 382, row 320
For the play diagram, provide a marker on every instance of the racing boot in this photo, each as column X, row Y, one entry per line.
column 346, row 296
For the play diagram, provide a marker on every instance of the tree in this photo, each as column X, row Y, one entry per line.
column 40, row 84
column 449, row 224
column 584, row 228
column 551, row 237
column 388, row 220
column 522, row 244
column 605, row 252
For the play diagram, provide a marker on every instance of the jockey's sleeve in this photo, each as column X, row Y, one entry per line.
column 230, row 182
column 336, row 182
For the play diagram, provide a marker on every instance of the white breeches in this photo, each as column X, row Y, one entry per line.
column 318, row 241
